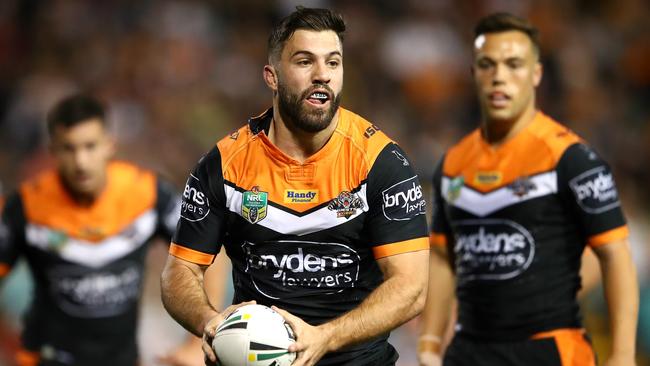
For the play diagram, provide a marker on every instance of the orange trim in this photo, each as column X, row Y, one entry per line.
column 574, row 349
column 437, row 240
column 130, row 191
column 412, row 245
column 609, row 236
column 27, row 358
column 4, row 269
column 191, row 255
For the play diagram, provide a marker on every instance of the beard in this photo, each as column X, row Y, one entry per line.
column 296, row 114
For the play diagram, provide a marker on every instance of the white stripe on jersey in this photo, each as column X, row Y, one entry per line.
column 289, row 224
column 480, row 204
column 93, row 254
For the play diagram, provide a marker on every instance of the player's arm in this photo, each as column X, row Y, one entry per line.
column 592, row 198
column 589, row 272
column 436, row 314
column 398, row 299
column 622, row 295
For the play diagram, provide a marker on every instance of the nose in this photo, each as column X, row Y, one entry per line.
column 499, row 74
column 321, row 74
column 81, row 159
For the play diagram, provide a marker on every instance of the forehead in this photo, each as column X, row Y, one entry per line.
column 85, row 130
column 316, row 42
column 503, row 45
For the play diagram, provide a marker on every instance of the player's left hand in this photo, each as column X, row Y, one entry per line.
column 620, row 360
column 311, row 342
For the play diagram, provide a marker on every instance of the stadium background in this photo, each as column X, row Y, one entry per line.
column 179, row 74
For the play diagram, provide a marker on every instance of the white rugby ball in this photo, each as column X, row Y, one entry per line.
column 254, row 335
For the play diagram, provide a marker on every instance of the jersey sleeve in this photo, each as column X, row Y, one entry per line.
column 396, row 220
column 12, row 233
column 587, row 184
column 440, row 229
column 168, row 208
column 201, row 225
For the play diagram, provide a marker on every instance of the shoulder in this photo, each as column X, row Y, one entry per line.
column 457, row 155
column 362, row 136
column 554, row 136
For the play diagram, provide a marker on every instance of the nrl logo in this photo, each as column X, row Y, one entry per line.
column 254, row 205
column 346, row 204
column 453, row 192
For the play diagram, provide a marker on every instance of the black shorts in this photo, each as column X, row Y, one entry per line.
column 562, row 347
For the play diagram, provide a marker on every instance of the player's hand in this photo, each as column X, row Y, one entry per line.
column 210, row 331
column 620, row 360
column 188, row 353
column 428, row 350
column 311, row 342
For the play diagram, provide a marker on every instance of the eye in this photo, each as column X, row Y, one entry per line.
column 304, row 62
column 484, row 64
column 515, row 63
column 333, row 63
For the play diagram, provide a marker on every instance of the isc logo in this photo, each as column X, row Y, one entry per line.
column 191, row 193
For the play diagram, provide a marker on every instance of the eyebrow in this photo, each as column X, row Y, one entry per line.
column 299, row 52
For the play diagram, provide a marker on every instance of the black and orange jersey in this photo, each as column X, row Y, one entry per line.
column 87, row 262
column 516, row 219
column 304, row 236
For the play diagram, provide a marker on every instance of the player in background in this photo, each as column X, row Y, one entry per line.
column 515, row 203
column 84, row 229
column 320, row 213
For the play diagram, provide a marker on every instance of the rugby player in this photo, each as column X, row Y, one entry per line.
column 319, row 211
column 515, row 204
column 84, row 229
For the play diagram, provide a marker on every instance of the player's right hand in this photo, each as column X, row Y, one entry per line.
column 210, row 331
column 428, row 358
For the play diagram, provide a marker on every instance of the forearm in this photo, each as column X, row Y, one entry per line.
column 398, row 299
column 621, row 293
column 437, row 310
column 183, row 295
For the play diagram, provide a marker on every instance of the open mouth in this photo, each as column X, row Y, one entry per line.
column 498, row 99
column 318, row 97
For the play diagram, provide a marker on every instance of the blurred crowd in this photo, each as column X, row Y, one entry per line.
column 179, row 74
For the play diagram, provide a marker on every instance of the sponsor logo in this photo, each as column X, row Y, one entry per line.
column 401, row 158
column 522, row 187
column 492, row 249
column 194, row 205
column 346, row 204
column 455, row 187
column 82, row 292
column 595, row 190
column 286, row 269
column 254, row 205
column 300, row 196
column 487, row 178
column 404, row 200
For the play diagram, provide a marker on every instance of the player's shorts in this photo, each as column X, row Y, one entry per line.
column 561, row 347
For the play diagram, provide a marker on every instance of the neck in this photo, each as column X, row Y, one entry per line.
column 496, row 132
column 82, row 198
column 296, row 143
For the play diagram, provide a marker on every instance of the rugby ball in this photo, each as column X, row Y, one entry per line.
column 254, row 335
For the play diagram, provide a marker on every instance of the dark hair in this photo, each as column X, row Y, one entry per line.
column 303, row 18
column 502, row 22
column 73, row 110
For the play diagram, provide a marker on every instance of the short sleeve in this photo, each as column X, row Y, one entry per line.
column 587, row 184
column 201, row 225
column 440, row 229
column 396, row 220
column 168, row 205
column 12, row 233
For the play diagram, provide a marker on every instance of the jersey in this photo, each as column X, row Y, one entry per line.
column 87, row 262
column 305, row 236
column 516, row 219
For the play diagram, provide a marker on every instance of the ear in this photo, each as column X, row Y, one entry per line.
column 270, row 77
column 537, row 73
column 111, row 145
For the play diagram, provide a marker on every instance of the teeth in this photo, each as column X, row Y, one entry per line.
column 319, row 95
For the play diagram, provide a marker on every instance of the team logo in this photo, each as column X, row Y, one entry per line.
column 346, row 204
column 455, row 185
column 401, row 157
column 254, row 205
column 487, row 178
column 522, row 187
column 300, row 196
column 234, row 135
